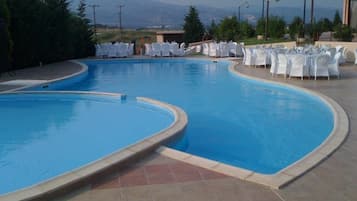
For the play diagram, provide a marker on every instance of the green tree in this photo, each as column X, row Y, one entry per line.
column 343, row 33
column 82, row 33
column 260, row 28
column 276, row 27
column 28, row 31
column 246, row 30
column 324, row 25
column 212, row 29
column 337, row 19
column 81, row 10
column 193, row 26
column 228, row 29
column 296, row 28
column 59, row 29
column 5, row 38
column 46, row 31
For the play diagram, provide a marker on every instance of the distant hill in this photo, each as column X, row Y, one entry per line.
column 150, row 13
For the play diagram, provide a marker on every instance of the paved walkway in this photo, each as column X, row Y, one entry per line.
column 44, row 73
column 156, row 178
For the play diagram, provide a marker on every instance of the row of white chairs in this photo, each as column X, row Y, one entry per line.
column 294, row 63
column 297, row 65
column 257, row 56
column 164, row 49
column 112, row 50
column 222, row 49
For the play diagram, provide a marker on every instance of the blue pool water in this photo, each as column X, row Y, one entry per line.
column 237, row 121
column 234, row 120
column 43, row 136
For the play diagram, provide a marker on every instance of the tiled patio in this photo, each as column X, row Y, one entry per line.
column 156, row 177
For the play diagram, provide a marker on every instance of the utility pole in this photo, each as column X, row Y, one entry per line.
column 263, row 9
column 304, row 19
column 312, row 19
column 246, row 4
column 267, row 21
column 94, row 20
column 120, row 24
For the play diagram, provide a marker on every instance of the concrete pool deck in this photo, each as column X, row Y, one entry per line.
column 156, row 177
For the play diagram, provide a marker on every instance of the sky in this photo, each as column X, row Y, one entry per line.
column 255, row 3
column 107, row 13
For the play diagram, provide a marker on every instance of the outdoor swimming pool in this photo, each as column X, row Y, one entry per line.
column 252, row 125
column 47, row 135
column 244, row 123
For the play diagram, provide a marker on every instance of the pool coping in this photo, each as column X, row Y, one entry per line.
column 132, row 151
column 293, row 171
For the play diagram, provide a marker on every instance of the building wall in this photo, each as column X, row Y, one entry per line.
column 160, row 38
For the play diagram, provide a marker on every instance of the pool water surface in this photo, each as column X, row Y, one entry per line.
column 248, row 124
column 47, row 135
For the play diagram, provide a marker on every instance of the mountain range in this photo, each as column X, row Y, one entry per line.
column 151, row 13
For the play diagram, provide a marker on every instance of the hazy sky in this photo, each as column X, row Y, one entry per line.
column 229, row 3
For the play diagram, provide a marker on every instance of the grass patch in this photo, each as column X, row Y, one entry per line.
column 255, row 41
column 110, row 35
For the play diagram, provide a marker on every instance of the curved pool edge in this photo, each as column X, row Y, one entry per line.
column 82, row 71
column 293, row 171
column 309, row 161
column 131, row 152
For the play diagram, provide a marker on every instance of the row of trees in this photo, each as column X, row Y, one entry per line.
column 231, row 29
column 42, row 31
column 342, row 32
column 5, row 40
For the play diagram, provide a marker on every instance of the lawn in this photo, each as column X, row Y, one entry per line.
column 110, row 35
column 255, row 41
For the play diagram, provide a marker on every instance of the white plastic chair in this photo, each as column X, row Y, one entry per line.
column 297, row 66
column 321, row 66
column 261, row 57
column 333, row 67
column 244, row 54
column 123, row 50
column 283, row 65
column 174, row 49
column 343, row 57
column 113, row 50
column 339, row 48
column 148, row 49
column 240, row 48
column 165, row 49
column 274, row 63
column 249, row 58
column 331, row 52
column 343, row 51
column 181, row 51
column 223, row 49
column 232, row 48
column 205, row 49
column 131, row 49
column 99, row 50
column 156, row 50
column 213, row 50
